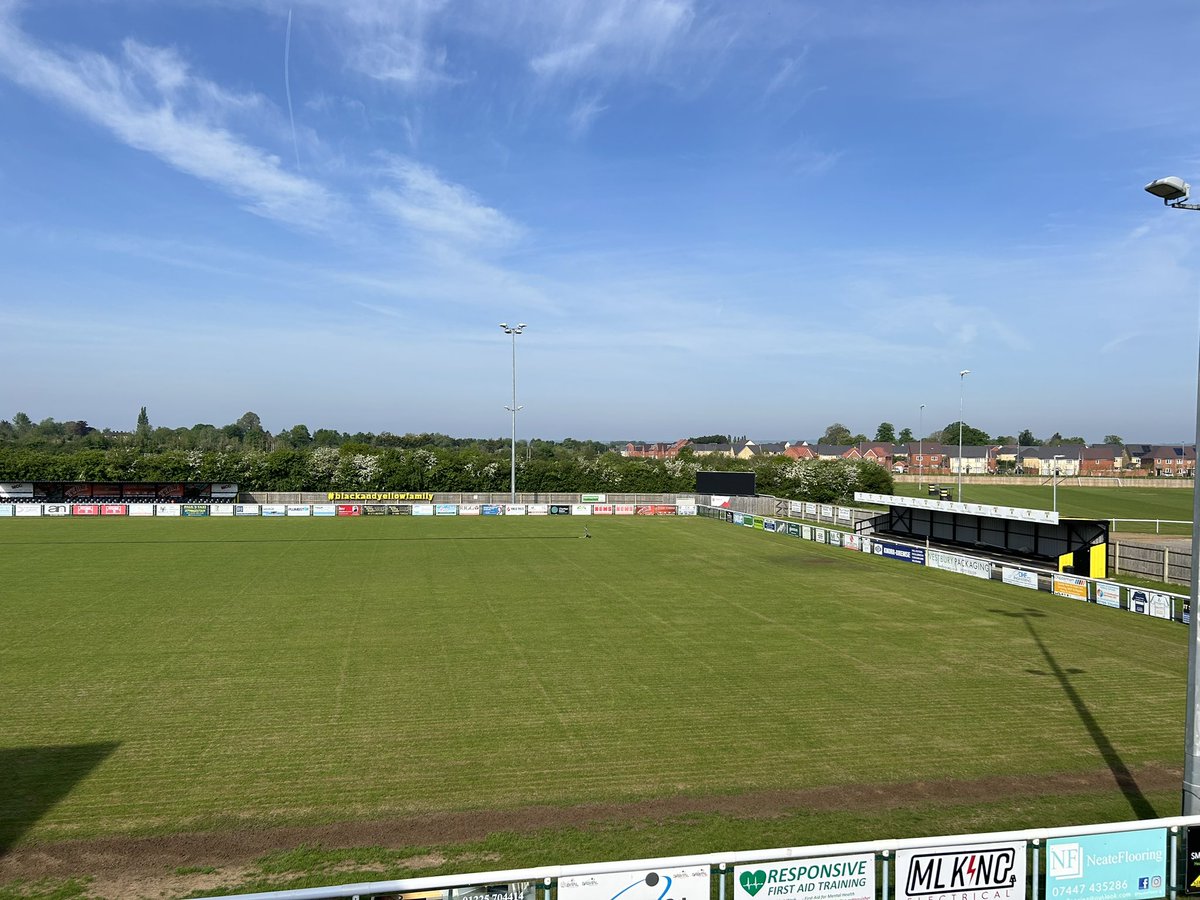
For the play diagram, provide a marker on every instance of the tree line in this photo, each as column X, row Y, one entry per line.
column 838, row 434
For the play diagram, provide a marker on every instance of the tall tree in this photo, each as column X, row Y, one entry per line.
column 22, row 423
column 1114, row 439
column 837, row 433
column 886, row 432
column 971, row 436
column 1026, row 439
column 143, row 432
column 905, row 436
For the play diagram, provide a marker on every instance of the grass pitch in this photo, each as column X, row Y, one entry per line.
column 164, row 676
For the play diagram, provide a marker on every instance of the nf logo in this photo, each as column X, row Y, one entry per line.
column 1065, row 861
column 752, row 882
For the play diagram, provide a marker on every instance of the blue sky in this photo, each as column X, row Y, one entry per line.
column 756, row 218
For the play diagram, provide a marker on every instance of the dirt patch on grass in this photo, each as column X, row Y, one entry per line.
column 153, row 866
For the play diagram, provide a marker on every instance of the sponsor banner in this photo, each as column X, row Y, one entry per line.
column 624, row 509
column 1191, row 866
column 493, row 509
column 16, row 489
column 514, row 509
column 844, row 514
column 851, row 542
column 689, row 883
column 826, row 511
column 1069, row 586
column 377, row 496
column 28, row 510
column 795, row 508
column 602, row 509
column 729, row 515
column 827, row 878
column 793, row 529
column 889, row 550
column 85, row 509
column 1108, row 594
column 6, row 509
column 810, row 509
column 685, row 506
column 769, row 525
column 537, row 509
column 1150, row 603
column 422, row 509
column 1187, row 610
column 114, row 509
column 865, row 544
column 984, row 872
column 1130, row 865
column 560, row 509
column 753, row 522
column 221, row 509
column 961, row 565
column 445, row 509
column 273, row 510
column 298, row 509
column 719, row 502
column 593, row 498
column 1019, row 577
column 324, row 509
column 834, row 538
column 738, row 518
column 347, row 509
column 246, row 509
column 224, row 491
column 52, row 509
column 819, row 535
column 469, row 509
column 194, row 510
column 655, row 510
column 585, row 509
column 974, row 509
column 806, row 532
column 166, row 509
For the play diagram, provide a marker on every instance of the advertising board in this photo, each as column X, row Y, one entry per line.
column 114, row 509
column 220, row 509
column 810, row 509
column 166, row 509
column 685, row 506
column 826, row 878
column 582, row 509
column 1019, row 577
column 537, row 509
column 655, row 509
column 514, row 509
column 422, row 509
column 245, row 509
column 1128, row 865
column 738, row 518
column 469, row 509
column 796, row 508
column 28, row 510
column 273, row 510
column 560, row 509
column 865, row 544
column 602, row 509
column 324, row 509
column 793, row 529
column 224, row 491
column 826, row 511
column 51, row 509
column 1069, row 586
column 819, row 535
column 85, row 509
column 624, row 509
column 769, row 525
column 844, row 514
column 492, row 509
column 888, row 550
column 981, row 872
column 193, row 510
column 593, row 498
column 1150, row 603
column 851, row 542
column 833, row 538
column 806, row 532
column 971, row 509
column 688, row 883
column 299, row 509
column 445, row 509
column 16, row 490
column 1191, row 865
column 7, row 509
column 959, row 564
column 721, row 502
column 1108, row 594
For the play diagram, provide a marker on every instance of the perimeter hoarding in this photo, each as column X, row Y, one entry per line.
column 141, row 509
column 557, row 509
column 1108, row 594
column 887, row 549
column 985, row 872
column 194, row 510
column 273, row 510
column 492, row 509
column 537, row 509
column 1129, row 865
column 469, row 509
column 28, row 510
column 422, row 509
column 1149, row 603
column 581, row 509
column 827, row 878
column 53, row 509
column 166, row 509
column 1019, row 577
column 6, row 509
column 445, row 509
column 299, row 509
column 1069, row 586
column 960, row 565
column 690, row 883
column 324, row 509
column 245, row 509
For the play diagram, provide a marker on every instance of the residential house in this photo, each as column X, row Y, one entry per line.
column 1170, row 461
column 877, row 452
column 1041, row 460
column 1103, row 459
column 712, row 449
column 928, row 457
column 972, row 460
column 655, row 451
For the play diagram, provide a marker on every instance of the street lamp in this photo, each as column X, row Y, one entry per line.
column 921, row 448
column 1054, row 480
column 514, row 331
column 1174, row 192
column 962, row 376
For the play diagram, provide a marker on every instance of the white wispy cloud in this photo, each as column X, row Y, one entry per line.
column 150, row 99
column 608, row 38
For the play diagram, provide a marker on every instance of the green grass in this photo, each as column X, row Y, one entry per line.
column 1079, row 502
column 162, row 676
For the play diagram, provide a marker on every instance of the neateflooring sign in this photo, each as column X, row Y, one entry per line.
column 1129, row 865
column 830, row 878
column 993, row 872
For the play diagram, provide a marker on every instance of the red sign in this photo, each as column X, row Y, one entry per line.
column 602, row 509
column 114, row 509
column 348, row 509
column 85, row 509
column 656, row 510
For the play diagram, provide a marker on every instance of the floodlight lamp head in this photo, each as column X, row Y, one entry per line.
column 522, row 325
column 1172, row 188
column 964, row 372
column 504, row 325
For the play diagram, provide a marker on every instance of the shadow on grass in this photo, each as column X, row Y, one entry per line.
column 34, row 779
column 333, row 540
column 1126, row 783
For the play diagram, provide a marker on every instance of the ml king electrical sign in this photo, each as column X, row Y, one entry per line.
column 994, row 872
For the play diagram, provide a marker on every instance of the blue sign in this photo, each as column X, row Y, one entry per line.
column 1130, row 865
column 769, row 525
column 492, row 509
column 899, row 551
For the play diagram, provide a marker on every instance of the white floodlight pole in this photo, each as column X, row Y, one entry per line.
column 1174, row 192
column 921, row 448
column 514, row 331
column 962, row 376
column 1054, row 480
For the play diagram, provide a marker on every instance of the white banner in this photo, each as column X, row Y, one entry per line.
column 1150, row 603
column 810, row 509
column 621, row 509
column 603, row 509
column 141, row 509
column 974, row 509
column 585, row 509
column 851, row 542
column 844, row 514
column 422, row 509
column 515, row 509
column 55, row 509
column 719, row 502
column 29, row 510
column 689, row 883
column 796, row 509
column 1108, row 594
column 1019, row 577
column 827, row 878
column 865, row 544
column 16, row 489
column 220, row 509
column 445, row 509
column 835, row 537
column 273, row 510
column 166, row 509
column 298, row 509
column 989, row 872
column 324, row 509
column 819, row 535
column 468, row 509
column 960, row 565
column 806, row 532
column 538, row 509
column 245, row 509
column 826, row 511
column 6, row 509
